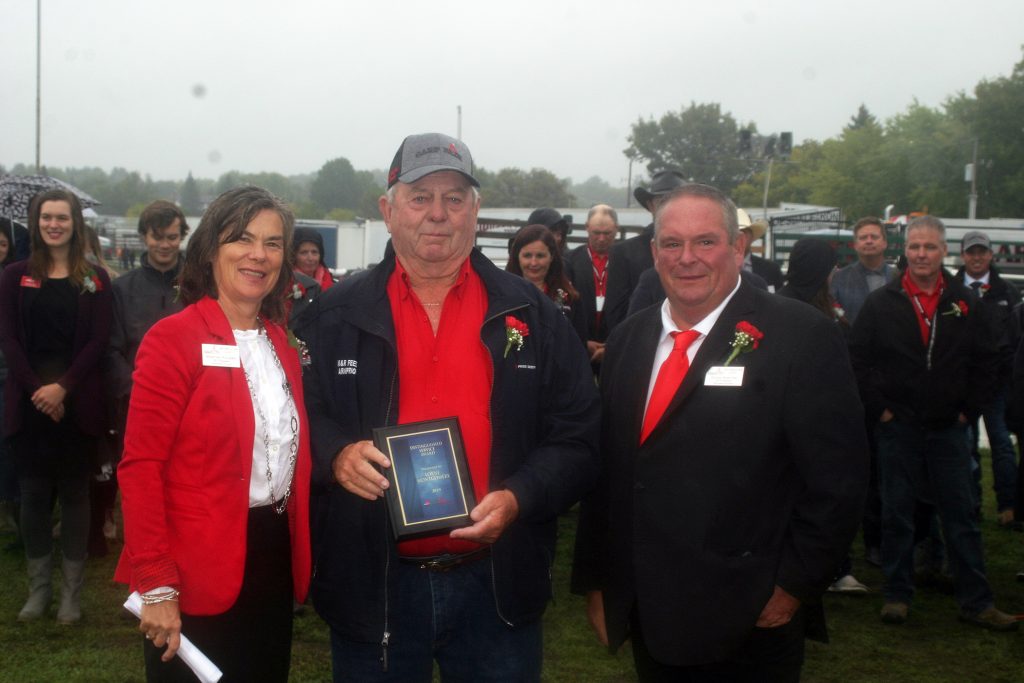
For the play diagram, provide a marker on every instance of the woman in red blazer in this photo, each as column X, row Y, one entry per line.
column 215, row 474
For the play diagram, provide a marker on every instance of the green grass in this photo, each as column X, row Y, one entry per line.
column 931, row 647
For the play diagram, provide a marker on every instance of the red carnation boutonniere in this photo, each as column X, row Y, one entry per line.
column 957, row 309
column 746, row 339
column 92, row 282
column 985, row 288
column 298, row 291
column 516, row 332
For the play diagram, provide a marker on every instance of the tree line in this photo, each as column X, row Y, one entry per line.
column 915, row 160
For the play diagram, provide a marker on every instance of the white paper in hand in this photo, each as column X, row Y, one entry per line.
column 201, row 666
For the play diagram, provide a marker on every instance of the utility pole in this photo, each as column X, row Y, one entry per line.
column 39, row 50
column 458, row 125
column 972, row 202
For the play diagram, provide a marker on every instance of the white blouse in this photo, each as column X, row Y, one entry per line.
column 268, row 386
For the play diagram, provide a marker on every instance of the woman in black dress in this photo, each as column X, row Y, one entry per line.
column 55, row 313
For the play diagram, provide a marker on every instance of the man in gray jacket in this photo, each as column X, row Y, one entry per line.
column 852, row 284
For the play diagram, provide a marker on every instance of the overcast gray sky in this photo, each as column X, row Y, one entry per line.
column 260, row 85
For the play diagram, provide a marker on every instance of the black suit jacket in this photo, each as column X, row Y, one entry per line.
column 581, row 272
column 627, row 261
column 736, row 490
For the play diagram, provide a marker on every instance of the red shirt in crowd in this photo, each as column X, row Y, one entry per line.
column 924, row 304
column 446, row 375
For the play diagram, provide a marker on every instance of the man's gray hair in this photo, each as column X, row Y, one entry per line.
column 729, row 219
column 928, row 222
column 390, row 192
column 605, row 210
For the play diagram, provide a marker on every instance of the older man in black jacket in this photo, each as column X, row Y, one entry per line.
column 437, row 330
column 925, row 360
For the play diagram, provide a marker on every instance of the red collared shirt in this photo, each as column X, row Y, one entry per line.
column 924, row 304
column 445, row 375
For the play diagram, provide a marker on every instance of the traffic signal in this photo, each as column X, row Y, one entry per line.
column 785, row 144
column 746, row 145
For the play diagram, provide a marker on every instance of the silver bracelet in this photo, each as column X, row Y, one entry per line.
column 166, row 596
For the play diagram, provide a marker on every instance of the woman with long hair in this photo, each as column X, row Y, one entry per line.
column 534, row 255
column 55, row 311
column 216, row 466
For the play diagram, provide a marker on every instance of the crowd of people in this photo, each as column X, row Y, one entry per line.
column 248, row 403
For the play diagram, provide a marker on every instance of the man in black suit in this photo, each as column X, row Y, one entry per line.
column 631, row 257
column 768, row 270
column 710, row 540
column 588, row 268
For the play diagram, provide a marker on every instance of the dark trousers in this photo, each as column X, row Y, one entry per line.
column 252, row 641
column 773, row 655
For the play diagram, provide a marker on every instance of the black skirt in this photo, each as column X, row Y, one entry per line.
column 252, row 641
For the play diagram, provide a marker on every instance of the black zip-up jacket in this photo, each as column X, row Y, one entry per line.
column 896, row 370
column 544, row 420
column 1001, row 298
column 141, row 297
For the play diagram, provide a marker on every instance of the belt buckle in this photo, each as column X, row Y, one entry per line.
column 441, row 564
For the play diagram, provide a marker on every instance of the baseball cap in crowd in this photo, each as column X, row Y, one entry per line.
column 662, row 182
column 975, row 238
column 421, row 155
column 552, row 219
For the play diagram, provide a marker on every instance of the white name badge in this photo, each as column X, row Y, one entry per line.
column 221, row 356
column 599, row 303
column 722, row 376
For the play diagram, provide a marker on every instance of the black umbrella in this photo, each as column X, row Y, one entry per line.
column 16, row 192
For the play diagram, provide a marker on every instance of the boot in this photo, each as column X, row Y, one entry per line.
column 70, row 593
column 40, row 591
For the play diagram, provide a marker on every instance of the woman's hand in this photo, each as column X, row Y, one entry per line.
column 49, row 400
column 161, row 623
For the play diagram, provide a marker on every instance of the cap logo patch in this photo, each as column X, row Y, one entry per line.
column 450, row 150
column 393, row 174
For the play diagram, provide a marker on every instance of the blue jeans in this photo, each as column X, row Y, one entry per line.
column 1004, row 456
column 448, row 616
column 933, row 465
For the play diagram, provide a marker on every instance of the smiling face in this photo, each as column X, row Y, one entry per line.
column 977, row 261
column 535, row 261
column 307, row 258
column 697, row 265
column 246, row 270
column 432, row 221
column 163, row 246
column 56, row 226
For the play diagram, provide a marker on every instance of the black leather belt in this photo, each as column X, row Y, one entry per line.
column 446, row 563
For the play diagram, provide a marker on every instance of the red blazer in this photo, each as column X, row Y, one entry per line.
column 187, row 461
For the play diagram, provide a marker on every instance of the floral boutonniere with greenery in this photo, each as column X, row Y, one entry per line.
column 744, row 340
column 92, row 282
column 516, row 332
column 957, row 309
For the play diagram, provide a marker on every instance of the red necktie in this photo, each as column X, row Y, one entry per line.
column 670, row 376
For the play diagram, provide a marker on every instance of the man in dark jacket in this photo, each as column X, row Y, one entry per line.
column 144, row 296
column 630, row 258
column 434, row 331
column 588, row 269
column 734, row 465
column 925, row 361
column 1000, row 297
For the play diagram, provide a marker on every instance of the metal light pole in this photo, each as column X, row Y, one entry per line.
column 458, row 127
column 972, row 201
column 39, row 50
column 629, row 182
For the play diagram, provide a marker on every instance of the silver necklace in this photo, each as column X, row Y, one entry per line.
column 293, row 448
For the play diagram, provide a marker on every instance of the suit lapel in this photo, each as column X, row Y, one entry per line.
column 715, row 349
column 642, row 345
